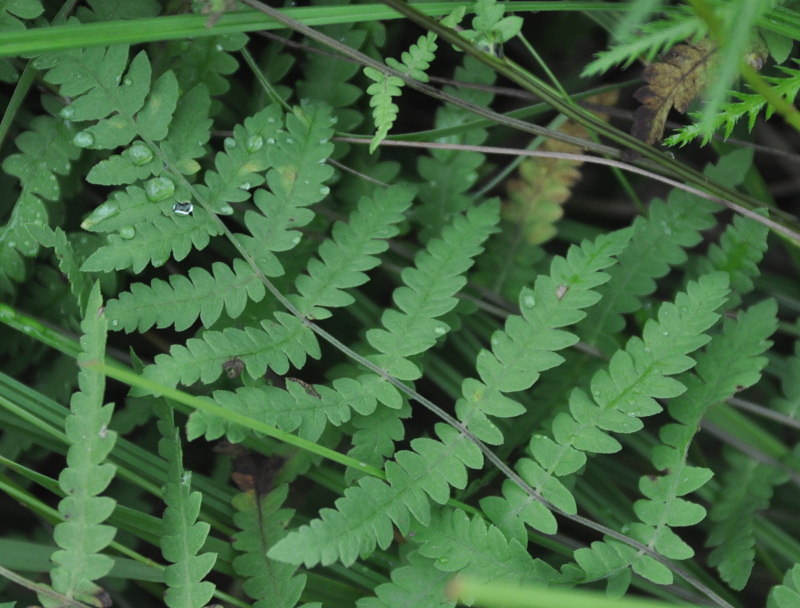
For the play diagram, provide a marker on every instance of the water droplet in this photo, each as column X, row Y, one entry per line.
column 664, row 333
column 127, row 82
column 439, row 330
column 67, row 112
column 296, row 240
column 528, row 301
column 255, row 143
column 443, row 560
column 324, row 191
column 495, row 341
column 140, row 154
column 225, row 210
column 334, row 120
column 271, row 140
column 12, row 244
column 245, row 186
column 183, row 208
column 114, row 322
column 323, row 140
column 270, row 120
column 229, row 143
column 127, row 232
column 84, row 139
column 218, row 47
column 362, row 464
column 159, row 188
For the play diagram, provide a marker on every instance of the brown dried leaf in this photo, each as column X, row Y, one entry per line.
column 674, row 82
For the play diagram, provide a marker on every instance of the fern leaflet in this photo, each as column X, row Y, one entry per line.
column 415, row 584
column 81, row 535
column 788, row 594
column 261, row 523
column 183, row 535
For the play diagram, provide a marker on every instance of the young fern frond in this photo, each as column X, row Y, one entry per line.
column 82, row 535
column 262, row 522
column 731, row 362
column 183, row 535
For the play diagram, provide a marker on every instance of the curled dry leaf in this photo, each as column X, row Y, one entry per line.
column 673, row 82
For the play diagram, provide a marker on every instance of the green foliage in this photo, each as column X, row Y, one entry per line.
column 82, row 535
column 183, row 536
column 353, row 363
column 262, row 523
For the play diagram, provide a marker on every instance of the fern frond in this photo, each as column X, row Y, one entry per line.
column 748, row 105
column 365, row 515
column 183, row 536
column 732, row 361
column 181, row 301
column 206, row 61
column 82, row 535
column 341, row 264
column 416, row 584
column 262, row 522
column 747, row 488
column 658, row 242
column 620, row 396
column 429, row 293
column 788, row 594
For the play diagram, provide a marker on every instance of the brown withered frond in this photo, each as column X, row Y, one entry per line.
column 673, row 82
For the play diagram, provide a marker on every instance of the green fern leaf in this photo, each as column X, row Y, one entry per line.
column 183, row 536
column 181, row 301
column 365, row 514
column 261, row 523
column 81, row 535
column 273, row 346
column 747, row 488
column 471, row 547
column 416, row 584
column 788, row 594
column 414, row 64
column 658, row 242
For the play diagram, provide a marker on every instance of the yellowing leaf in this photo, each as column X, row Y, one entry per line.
column 535, row 199
column 673, row 82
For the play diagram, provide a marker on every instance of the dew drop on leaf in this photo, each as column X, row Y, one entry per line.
column 270, row 120
column 439, row 330
column 67, row 112
column 245, row 186
column 529, row 301
column 229, row 143
column 127, row 82
column 324, row 191
column 127, row 232
column 114, row 322
column 225, row 210
column 255, row 143
column 159, row 188
column 84, row 139
column 183, row 208
column 271, row 140
column 289, row 140
column 140, row 154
